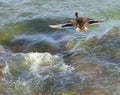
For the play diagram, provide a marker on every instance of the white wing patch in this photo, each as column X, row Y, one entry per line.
column 56, row 26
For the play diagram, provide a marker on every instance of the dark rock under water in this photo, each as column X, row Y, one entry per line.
column 76, row 63
column 90, row 69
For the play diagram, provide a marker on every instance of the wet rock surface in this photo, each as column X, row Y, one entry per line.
column 107, row 47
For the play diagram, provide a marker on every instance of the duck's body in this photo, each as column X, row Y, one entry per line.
column 79, row 22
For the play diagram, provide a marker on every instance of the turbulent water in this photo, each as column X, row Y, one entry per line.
column 38, row 60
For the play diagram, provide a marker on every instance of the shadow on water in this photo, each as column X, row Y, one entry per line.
column 38, row 25
column 34, row 43
column 34, row 35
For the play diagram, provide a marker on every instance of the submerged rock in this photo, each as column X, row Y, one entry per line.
column 94, row 91
column 68, row 93
column 1, row 69
column 86, row 91
column 83, row 74
column 106, row 47
column 69, row 45
column 39, row 43
column 37, row 72
column 87, row 69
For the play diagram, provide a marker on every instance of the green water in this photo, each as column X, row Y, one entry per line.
column 76, row 63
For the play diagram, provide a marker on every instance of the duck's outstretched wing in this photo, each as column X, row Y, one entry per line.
column 91, row 22
column 66, row 25
column 98, row 21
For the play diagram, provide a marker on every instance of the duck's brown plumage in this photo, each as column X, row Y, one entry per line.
column 79, row 22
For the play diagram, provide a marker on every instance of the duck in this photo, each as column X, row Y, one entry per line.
column 80, row 23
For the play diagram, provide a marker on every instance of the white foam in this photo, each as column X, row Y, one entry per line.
column 38, row 60
column 37, row 63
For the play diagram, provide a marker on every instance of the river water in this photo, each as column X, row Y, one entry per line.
column 38, row 60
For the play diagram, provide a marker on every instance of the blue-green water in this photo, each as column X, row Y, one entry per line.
column 38, row 60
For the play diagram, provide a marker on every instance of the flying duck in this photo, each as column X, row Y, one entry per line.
column 80, row 23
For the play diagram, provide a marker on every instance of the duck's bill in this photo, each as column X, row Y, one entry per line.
column 66, row 25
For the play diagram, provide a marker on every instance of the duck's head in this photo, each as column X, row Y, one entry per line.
column 76, row 14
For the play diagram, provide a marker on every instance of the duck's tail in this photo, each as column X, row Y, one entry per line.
column 66, row 25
